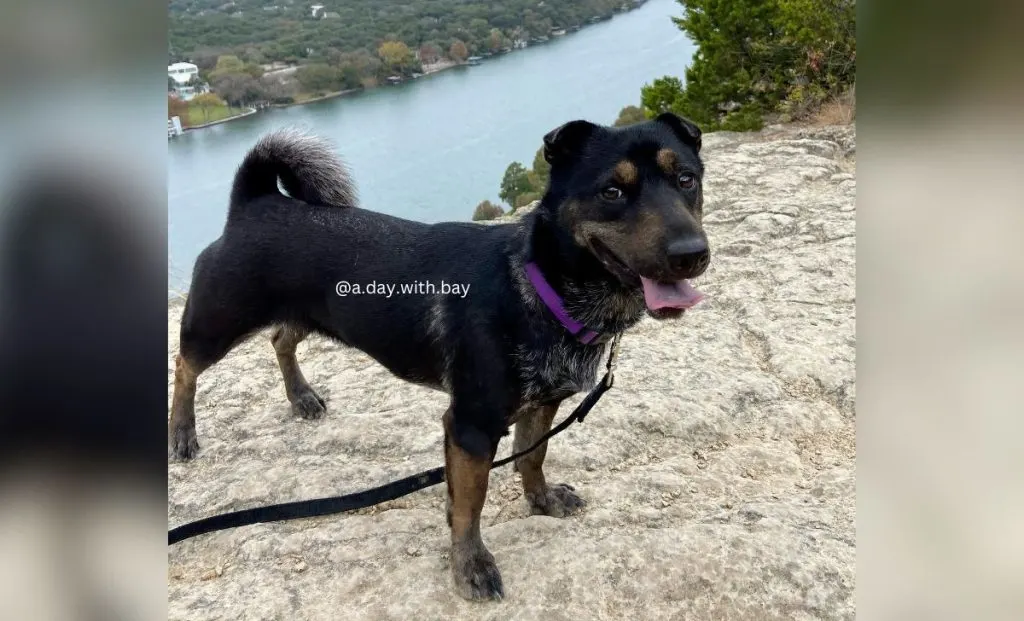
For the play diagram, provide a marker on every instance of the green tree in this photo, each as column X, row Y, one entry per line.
column 279, row 89
column 227, row 64
column 662, row 95
column 515, row 182
column 756, row 56
column 487, row 210
column 350, row 77
column 206, row 101
column 541, row 172
column 239, row 89
column 629, row 116
column 318, row 78
column 254, row 70
column 252, row 54
column 822, row 35
column 204, row 58
column 368, row 65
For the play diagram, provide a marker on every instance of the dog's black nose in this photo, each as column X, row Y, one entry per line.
column 689, row 256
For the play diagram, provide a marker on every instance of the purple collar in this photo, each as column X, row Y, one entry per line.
column 554, row 303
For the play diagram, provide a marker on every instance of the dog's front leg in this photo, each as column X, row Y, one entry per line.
column 468, row 454
column 557, row 500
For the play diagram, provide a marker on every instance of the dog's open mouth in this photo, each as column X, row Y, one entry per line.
column 664, row 299
column 679, row 294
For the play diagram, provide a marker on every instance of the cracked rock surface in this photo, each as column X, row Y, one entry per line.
column 719, row 474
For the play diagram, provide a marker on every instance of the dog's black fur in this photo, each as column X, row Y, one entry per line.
column 621, row 203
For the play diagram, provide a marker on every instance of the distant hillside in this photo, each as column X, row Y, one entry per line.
column 265, row 31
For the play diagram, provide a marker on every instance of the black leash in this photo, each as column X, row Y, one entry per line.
column 390, row 491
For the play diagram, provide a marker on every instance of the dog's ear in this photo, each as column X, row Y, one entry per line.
column 684, row 129
column 563, row 142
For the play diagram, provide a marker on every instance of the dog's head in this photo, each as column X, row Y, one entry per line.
column 632, row 198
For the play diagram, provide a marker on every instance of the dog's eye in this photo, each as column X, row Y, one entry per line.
column 611, row 193
column 687, row 181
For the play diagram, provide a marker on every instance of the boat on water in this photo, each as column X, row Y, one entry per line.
column 474, row 60
column 558, row 32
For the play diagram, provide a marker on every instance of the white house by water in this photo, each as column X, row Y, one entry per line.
column 182, row 73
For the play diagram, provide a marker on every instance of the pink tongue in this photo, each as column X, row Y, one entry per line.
column 679, row 294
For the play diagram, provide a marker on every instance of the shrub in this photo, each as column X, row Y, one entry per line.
column 838, row 110
column 487, row 210
column 746, row 118
column 630, row 115
column 525, row 199
column 177, row 107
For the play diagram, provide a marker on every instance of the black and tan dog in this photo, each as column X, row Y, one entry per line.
column 617, row 233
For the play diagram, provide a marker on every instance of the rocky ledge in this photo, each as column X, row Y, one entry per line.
column 720, row 471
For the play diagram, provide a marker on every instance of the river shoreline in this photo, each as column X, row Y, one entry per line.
column 320, row 98
column 248, row 111
column 434, row 69
column 426, row 72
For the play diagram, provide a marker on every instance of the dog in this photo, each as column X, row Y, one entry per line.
column 617, row 233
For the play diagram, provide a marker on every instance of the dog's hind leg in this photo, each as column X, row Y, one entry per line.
column 181, row 429
column 557, row 500
column 208, row 332
column 195, row 356
column 305, row 402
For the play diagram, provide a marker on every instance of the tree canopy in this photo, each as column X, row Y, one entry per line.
column 265, row 31
column 515, row 183
column 759, row 56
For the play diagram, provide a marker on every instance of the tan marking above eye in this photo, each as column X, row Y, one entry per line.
column 667, row 160
column 626, row 173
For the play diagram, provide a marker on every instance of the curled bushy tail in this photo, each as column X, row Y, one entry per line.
column 307, row 166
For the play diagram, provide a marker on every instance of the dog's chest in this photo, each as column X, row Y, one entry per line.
column 558, row 371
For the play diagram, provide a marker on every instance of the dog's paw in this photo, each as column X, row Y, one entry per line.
column 309, row 405
column 556, row 500
column 183, row 444
column 476, row 575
